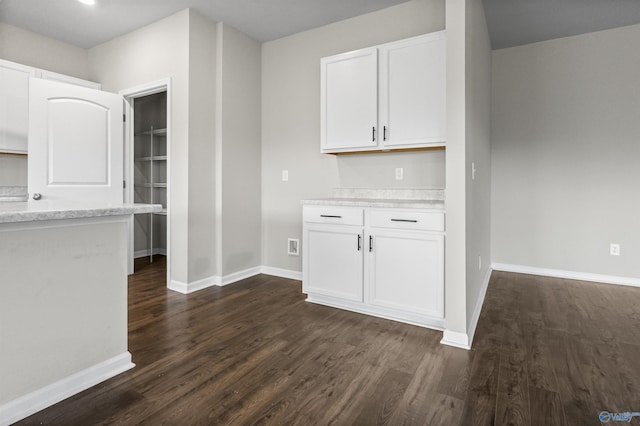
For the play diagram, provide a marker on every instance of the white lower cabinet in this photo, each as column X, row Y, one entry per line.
column 383, row 262
column 405, row 272
column 336, row 270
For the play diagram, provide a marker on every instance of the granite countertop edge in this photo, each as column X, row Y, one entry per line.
column 381, row 203
column 18, row 212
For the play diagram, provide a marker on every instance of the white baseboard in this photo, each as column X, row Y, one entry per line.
column 214, row 280
column 241, row 275
column 47, row 396
column 464, row 340
column 456, row 339
column 186, row 288
column 476, row 312
column 283, row 273
column 572, row 275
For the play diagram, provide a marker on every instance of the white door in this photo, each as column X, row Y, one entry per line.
column 406, row 272
column 413, row 91
column 75, row 143
column 349, row 101
column 333, row 262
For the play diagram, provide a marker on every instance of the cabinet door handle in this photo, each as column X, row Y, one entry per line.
column 359, row 242
column 373, row 134
column 370, row 243
column 384, row 133
column 404, row 220
column 331, row 215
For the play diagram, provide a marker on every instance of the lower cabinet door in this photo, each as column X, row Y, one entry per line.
column 333, row 262
column 406, row 271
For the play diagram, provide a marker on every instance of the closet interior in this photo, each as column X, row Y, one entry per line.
column 150, row 173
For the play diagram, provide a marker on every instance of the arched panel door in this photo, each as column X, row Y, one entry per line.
column 75, row 143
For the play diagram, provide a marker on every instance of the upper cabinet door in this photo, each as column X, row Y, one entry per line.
column 14, row 107
column 75, row 143
column 413, row 92
column 349, row 98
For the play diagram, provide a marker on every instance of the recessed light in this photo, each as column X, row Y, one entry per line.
column 89, row 2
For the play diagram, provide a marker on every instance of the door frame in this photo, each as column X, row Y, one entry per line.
column 129, row 95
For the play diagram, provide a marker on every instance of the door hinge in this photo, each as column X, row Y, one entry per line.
column 124, row 183
column 124, row 117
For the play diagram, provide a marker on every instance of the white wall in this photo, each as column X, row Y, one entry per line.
column 154, row 52
column 468, row 141
column 201, row 142
column 565, row 125
column 455, row 194
column 478, row 152
column 291, row 123
column 70, row 318
column 239, row 150
column 29, row 48
column 13, row 170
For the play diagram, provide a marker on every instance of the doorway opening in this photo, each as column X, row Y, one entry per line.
column 150, row 174
column 147, row 173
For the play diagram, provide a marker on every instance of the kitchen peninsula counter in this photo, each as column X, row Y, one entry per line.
column 63, row 300
column 13, row 212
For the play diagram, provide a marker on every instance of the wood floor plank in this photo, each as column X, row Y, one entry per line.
column 480, row 403
column 512, row 399
column 546, row 351
column 546, row 407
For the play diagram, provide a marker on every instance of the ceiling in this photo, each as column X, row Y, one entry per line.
column 264, row 20
column 510, row 22
column 517, row 22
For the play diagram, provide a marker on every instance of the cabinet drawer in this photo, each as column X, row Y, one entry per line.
column 406, row 219
column 334, row 215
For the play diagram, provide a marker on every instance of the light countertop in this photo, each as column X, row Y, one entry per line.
column 432, row 199
column 377, row 202
column 30, row 211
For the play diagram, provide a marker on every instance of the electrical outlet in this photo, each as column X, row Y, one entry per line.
column 479, row 263
column 614, row 249
column 293, row 247
column 473, row 171
column 399, row 173
column 285, row 175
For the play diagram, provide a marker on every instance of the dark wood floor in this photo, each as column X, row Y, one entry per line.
column 546, row 352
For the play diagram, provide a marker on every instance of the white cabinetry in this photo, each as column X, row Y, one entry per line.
column 349, row 101
column 391, row 96
column 14, row 107
column 14, row 102
column 383, row 262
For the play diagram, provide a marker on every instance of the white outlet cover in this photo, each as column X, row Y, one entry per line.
column 293, row 247
column 285, row 175
column 614, row 249
column 399, row 173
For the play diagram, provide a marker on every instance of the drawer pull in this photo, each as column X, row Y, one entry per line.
column 404, row 220
column 331, row 216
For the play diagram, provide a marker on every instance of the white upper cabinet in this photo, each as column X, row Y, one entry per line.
column 349, row 102
column 14, row 102
column 413, row 92
column 391, row 96
column 14, row 107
